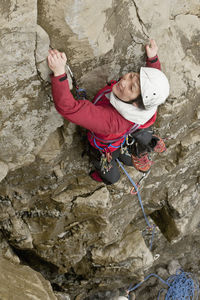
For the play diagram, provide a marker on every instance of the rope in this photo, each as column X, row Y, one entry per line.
column 152, row 237
column 180, row 286
column 137, row 190
column 140, row 200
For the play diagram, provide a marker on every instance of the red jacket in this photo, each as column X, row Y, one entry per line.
column 102, row 119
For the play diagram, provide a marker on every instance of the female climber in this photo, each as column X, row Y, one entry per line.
column 119, row 117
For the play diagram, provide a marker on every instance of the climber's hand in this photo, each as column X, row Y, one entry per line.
column 151, row 49
column 57, row 61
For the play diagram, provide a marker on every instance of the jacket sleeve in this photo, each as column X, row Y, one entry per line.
column 153, row 62
column 100, row 119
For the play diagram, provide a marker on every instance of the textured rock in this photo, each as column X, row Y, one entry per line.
column 88, row 216
column 51, row 211
column 17, row 233
column 51, row 148
column 61, row 296
column 26, row 113
column 21, row 283
column 173, row 266
column 3, row 170
column 7, row 252
column 43, row 44
column 124, row 253
column 41, row 52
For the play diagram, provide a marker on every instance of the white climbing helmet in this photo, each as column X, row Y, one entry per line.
column 154, row 87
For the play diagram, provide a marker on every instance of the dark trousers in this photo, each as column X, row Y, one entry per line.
column 113, row 174
column 144, row 141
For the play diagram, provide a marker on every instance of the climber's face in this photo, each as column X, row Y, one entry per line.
column 128, row 88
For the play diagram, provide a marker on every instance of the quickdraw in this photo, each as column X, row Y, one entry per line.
column 138, row 184
column 80, row 93
column 105, row 162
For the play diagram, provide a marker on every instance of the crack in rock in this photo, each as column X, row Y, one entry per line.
column 38, row 72
column 140, row 20
column 86, row 195
column 136, row 42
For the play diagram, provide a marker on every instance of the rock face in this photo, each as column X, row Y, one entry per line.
column 85, row 237
column 22, row 283
column 26, row 111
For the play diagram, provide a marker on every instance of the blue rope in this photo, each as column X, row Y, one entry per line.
column 180, row 286
column 152, row 237
column 139, row 284
column 137, row 190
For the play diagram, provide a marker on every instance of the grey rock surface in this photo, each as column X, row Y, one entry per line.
column 26, row 112
column 22, row 283
column 85, row 237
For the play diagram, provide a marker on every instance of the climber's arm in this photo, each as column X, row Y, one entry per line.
column 152, row 57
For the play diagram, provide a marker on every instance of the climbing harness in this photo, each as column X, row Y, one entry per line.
column 180, row 286
column 110, row 142
column 105, row 151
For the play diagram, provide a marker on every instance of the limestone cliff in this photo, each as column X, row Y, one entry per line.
column 83, row 236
